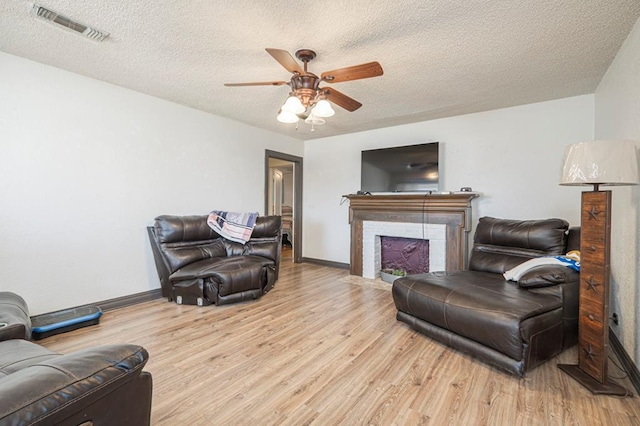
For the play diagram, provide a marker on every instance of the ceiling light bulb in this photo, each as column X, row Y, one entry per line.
column 293, row 105
column 287, row 117
column 313, row 119
column 323, row 109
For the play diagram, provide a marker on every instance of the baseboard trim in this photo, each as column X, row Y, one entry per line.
column 119, row 302
column 627, row 363
column 131, row 299
column 322, row 262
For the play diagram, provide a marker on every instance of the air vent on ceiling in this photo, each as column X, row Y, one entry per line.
column 63, row 21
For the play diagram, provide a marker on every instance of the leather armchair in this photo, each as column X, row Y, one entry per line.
column 512, row 325
column 197, row 266
column 104, row 385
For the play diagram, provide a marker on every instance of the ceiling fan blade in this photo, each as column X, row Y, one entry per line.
column 341, row 99
column 356, row 72
column 286, row 60
column 262, row 83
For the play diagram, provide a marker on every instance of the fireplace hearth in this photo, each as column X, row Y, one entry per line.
column 373, row 231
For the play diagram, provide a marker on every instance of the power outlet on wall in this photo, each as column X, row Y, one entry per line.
column 615, row 318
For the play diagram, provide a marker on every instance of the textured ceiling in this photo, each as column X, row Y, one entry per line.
column 440, row 57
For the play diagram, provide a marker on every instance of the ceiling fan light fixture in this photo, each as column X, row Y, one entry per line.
column 323, row 109
column 305, row 91
column 293, row 105
column 287, row 117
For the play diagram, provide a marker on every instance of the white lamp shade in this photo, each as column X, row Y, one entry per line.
column 313, row 119
column 602, row 162
column 287, row 117
column 293, row 105
column 323, row 109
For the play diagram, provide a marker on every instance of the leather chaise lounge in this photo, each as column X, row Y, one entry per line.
column 104, row 385
column 197, row 266
column 514, row 326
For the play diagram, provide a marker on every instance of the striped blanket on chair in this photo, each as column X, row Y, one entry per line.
column 233, row 226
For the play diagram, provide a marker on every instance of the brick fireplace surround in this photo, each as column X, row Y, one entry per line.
column 451, row 211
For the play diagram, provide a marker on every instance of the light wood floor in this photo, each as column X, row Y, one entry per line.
column 324, row 348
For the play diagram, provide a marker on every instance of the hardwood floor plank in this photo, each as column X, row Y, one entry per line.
column 324, row 348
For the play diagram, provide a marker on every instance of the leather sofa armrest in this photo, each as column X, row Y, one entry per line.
column 55, row 388
column 10, row 331
column 162, row 267
column 547, row 275
column 15, row 322
column 569, row 293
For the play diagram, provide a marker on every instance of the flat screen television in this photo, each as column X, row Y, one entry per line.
column 413, row 168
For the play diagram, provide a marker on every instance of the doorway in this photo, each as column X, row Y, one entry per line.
column 283, row 197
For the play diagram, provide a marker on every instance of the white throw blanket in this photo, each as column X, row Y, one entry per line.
column 516, row 273
column 233, row 226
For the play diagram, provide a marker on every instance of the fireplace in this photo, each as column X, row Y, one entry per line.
column 372, row 231
column 442, row 219
column 410, row 255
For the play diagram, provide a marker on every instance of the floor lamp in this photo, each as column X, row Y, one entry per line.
column 596, row 163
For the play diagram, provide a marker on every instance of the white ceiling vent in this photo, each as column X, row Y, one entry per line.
column 63, row 21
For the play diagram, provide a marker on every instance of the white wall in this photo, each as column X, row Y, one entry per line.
column 512, row 157
column 617, row 116
column 85, row 166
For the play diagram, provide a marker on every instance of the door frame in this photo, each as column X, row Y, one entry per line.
column 297, row 196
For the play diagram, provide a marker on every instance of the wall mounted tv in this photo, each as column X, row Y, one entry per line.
column 413, row 168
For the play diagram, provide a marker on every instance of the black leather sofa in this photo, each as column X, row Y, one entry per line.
column 105, row 385
column 515, row 326
column 197, row 266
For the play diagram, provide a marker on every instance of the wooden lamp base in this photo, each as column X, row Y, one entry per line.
column 592, row 384
column 593, row 315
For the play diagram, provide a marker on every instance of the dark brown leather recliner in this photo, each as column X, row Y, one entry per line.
column 105, row 385
column 512, row 325
column 197, row 266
